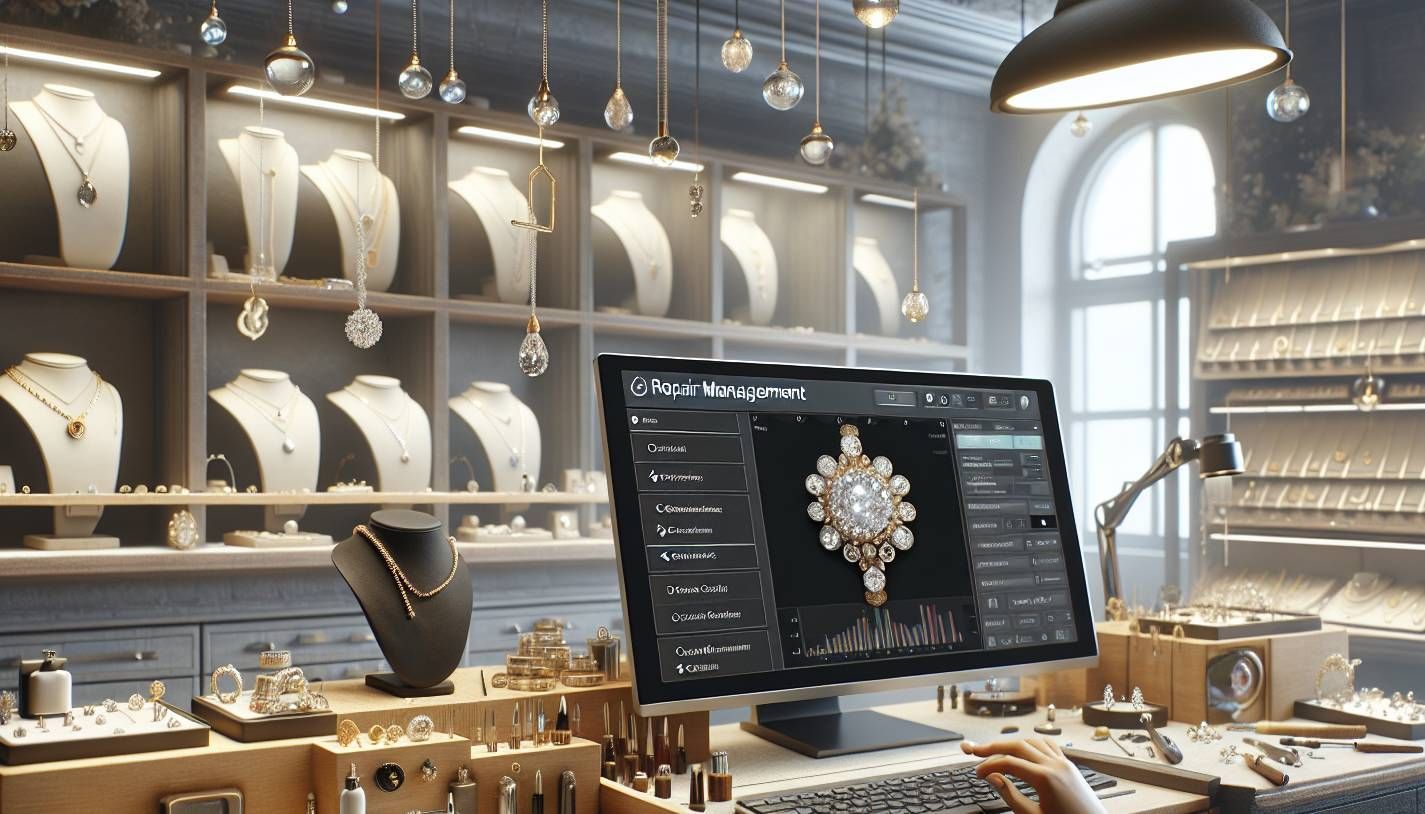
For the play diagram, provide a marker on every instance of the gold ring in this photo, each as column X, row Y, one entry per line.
column 215, row 683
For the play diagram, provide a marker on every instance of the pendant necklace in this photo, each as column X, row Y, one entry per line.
column 403, row 582
column 263, row 260
column 363, row 326
column 404, row 418
column 507, row 421
column 521, row 278
column 649, row 257
column 280, row 417
column 374, row 228
column 87, row 193
column 75, row 425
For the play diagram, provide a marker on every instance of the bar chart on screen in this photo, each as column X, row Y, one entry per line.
column 852, row 632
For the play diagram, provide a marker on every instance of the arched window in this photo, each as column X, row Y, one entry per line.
column 1124, row 334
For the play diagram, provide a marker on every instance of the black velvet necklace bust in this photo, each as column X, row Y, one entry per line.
column 423, row 651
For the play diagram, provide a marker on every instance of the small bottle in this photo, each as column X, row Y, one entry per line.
column 463, row 792
column 353, row 797
column 640, row 782
column 50, row 689
column 663, row 782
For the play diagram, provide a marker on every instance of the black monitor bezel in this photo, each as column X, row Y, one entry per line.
column 654, row 696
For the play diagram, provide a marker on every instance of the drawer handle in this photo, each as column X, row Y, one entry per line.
column 308, row 639
column 258, row 647
column 362, row 638
column 512, row 630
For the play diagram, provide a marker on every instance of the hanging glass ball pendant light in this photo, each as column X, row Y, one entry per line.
column 289, row 70
column 452, row 87
column 543, row 108
column 875, row 13
column 340, row 6
column 783, row 89
column 816, row 146
column 737, row 49
column 664, row 149
column 1288, row 101
column 213, row 30
column 415, row 81
column 916, row 306
column 618, row 113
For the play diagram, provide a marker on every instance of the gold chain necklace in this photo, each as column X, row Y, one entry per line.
column 75, row 425
column 403, row 582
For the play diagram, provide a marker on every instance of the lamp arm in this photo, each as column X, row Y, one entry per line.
column 1111, row 513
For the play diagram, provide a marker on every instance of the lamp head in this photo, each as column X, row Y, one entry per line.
column 1219, row 455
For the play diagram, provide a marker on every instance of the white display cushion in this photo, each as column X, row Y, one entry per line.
column 116, row 736
column 276, row 539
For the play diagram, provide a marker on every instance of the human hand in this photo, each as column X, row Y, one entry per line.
column 1040, row 763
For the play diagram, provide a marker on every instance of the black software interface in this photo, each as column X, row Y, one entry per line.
column 792, row 526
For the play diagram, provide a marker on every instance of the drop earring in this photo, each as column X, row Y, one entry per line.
column 783, row 89
column 916, row 306
column 816, row 146
column 452, row 87
column 543, row 108
column 618, row 113
column 737, row 49
column 415, row 81
column 8, row 139
column 664, row 148
column 290, row 71
column 213, row 30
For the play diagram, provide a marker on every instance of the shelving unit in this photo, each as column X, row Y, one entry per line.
column 1284, row 327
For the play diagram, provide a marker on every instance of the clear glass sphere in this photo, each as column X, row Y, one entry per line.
column 415, row 81
column 916, row 306
column 736, row 52
column 543, row 108
column 8, row 140
column 1080, row 126
column 783, row 89
column 817, row 146
column 340, row 6
column 533, row 355
column 1288, row 102
column 1366, row 392
column 452, row 88
column 289, row 70
column 618, row 113
column 875, row 13
column 663, row 150
column 213, row 30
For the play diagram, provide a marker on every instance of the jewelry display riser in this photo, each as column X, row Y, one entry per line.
column 1315, row 304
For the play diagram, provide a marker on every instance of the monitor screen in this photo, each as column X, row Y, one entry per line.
column 789, row 531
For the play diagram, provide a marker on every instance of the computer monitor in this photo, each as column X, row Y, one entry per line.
column 788, row 533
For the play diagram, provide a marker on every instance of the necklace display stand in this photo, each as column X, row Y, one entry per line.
column 266, row 169
column 80, row 146
column 756, row 257
column 281, row 424
column 875, row 270
column 507, row 429
column 86, row 464
column 496, row 201
column 395, row 428
column 423, row 651
column 347, row 180
column 639, row 243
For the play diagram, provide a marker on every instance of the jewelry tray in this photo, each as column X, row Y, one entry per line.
column 237, row 722
column 144, row 736
column 1403, row 730
column 1270, row 623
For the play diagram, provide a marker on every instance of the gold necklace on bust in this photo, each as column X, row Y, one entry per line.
column 403, row 582
column 74, row 424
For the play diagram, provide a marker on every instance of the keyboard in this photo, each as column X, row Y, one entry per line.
column 950, row 791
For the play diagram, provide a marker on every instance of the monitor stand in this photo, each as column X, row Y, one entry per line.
column 818, row 728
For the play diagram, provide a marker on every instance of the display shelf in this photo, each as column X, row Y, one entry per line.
column 152, row 559
column 132, row 284
column 432, row 498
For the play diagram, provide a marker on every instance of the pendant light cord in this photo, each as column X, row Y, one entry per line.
column 376, row 156
column 736, row 15
column 817, row 115
column 6, row 102
column 544, row 41
column 1344, row 183
column 698, row 82
column 1288, row 37
column 289, row 18
column 452, row 35
column 415, row 31
column 662, row 72
column 784, row 32
column 914, row 238
column 618, row 43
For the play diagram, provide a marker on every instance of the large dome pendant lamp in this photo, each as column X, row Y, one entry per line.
column 1100, row 53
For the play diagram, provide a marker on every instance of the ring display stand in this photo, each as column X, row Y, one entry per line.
column 238, row 722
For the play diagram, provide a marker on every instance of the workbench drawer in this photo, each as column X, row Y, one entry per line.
column 121, row 654
column 320, row 640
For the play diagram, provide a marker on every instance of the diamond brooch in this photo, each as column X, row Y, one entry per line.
column 860, row 502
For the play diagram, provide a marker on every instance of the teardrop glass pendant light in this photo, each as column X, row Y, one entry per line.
column 817, row 145
column 543, row 108
column 618, row 113
column 213, row 30
column 664, row 148
column 1080, row 126
column 916, row 306
column 875, row 13
column 737, row 49
column 415, row 81
column 290, row 71
column 452, row 87
column 1288, row 101
column 783, row 89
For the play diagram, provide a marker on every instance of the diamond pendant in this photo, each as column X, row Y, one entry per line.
column 86, row 193
column 79, row 145
column 288, row 445
column 8, row 140
column 75, row 429
column 363, row 328
column 514, row 460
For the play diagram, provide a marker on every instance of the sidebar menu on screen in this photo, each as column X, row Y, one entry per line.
column 696, row 513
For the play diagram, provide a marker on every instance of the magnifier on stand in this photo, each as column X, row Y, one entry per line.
column 1217, row 455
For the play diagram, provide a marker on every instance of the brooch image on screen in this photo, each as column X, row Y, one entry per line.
column 860, row 502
